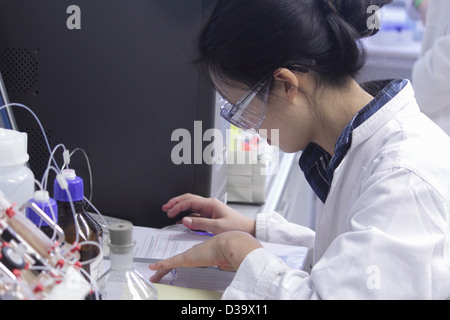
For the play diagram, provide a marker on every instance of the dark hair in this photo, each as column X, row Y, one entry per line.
column 246, row 40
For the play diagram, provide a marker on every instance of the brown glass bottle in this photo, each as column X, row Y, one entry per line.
column 77, row 224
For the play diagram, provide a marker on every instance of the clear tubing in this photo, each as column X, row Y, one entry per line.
column 77, row 226
column 53, row 217
column 84, row 243
column 56, row 169
column 26, row 229
column 88, row 162
column 33, row 206
column 37, row 120
column 96, row 211
column 31, row 234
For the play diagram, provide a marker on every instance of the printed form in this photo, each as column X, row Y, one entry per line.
column 158, row 244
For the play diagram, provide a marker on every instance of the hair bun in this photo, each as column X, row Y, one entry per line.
column 360, row 14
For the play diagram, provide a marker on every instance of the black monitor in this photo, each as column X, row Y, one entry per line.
column 114, row 77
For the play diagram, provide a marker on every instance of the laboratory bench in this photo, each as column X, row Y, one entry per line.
column 287, row 193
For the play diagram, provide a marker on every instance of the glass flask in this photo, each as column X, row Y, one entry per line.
column 122, row 281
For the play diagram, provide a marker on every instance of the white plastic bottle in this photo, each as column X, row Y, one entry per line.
column 16, row 179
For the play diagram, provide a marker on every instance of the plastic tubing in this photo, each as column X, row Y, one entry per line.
column 37, row 120
column 93, row 243
column 64, row 186
column 88, row 162
column 52, row 152
column 96, row 211
column 43, row 188
column 53, row 217
column 30, row 233
column 56, row 168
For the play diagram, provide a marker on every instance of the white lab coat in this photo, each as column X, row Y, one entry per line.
column 430, row 77
column 383, row 232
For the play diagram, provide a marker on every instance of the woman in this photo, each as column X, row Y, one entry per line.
column 376, row 162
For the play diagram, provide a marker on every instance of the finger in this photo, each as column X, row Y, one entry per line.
column 196, row 204
column 185, row 205
column 169, row 205
column 182, row 217
column 199, row 255
column 196, row 223
column 159, row 275
column 168, row 264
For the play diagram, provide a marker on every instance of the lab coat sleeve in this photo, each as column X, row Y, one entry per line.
column 394, row 249
column 430, row 77
column 262, row 275
column 275, row 229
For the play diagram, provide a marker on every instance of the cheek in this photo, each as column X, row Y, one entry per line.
column 287, row 136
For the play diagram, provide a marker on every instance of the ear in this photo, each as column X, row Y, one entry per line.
column 290, row 80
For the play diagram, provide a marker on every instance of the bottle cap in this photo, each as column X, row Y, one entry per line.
column 13, row 148
column 12, row 259
column 41, row 196
column 46, row 204
column 76, row 187
column 121, row 234
column 69, row 174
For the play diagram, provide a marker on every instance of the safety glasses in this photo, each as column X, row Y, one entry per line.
column 248, row 113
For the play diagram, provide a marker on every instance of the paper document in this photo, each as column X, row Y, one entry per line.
column 159, row 244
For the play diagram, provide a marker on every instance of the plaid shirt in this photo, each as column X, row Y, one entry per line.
column 319, row 166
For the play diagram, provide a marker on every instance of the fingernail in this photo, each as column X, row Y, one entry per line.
column 188, row 221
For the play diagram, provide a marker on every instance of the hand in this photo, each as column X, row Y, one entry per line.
column 209, row 215
column 226, row 251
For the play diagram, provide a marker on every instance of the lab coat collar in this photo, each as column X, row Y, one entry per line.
column 319, row 167
column 369, row 127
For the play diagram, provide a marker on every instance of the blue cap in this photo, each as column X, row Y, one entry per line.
column 76, row 188
column 46, row 206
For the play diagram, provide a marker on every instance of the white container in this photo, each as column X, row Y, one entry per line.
column 16, row 179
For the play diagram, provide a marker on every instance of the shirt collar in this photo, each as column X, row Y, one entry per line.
column 319, row 166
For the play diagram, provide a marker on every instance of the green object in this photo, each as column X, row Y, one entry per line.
column 418, row 3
